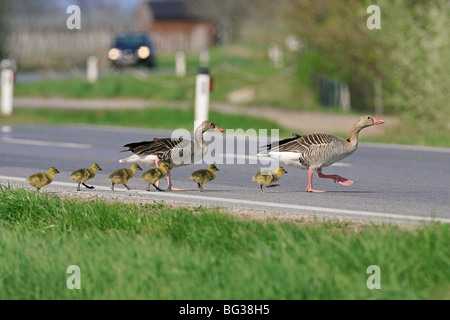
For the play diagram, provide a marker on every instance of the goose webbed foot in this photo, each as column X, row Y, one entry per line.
column 336, row 178
column 172, row 188
column 310, row 189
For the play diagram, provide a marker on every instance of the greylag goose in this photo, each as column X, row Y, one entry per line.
column 153, row 175
column 84, row 174
column 176, row 152
column 204, row 175
column 315, row 151
column 121, row 176
column 41, row 179
column 266, row 177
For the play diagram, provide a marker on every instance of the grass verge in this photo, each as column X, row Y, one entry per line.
column 156, row 118
column 232, row 67
column 159, row 252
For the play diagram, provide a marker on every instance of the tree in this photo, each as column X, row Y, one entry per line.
column 336, row 32
column 417, row 35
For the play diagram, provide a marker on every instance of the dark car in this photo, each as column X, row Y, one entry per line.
column 132, row 48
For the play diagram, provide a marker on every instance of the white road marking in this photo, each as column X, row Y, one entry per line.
column 44, row 143
column 343, row 212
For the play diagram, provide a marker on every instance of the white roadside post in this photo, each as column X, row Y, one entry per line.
column 202, row 87
column 204, row 58
column 7, row 91
column 180, row 64
column 92, row 69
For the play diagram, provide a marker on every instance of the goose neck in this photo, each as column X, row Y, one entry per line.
column 198, row 136
column 353, row 136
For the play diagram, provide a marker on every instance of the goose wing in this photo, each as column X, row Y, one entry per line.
column 163, row 148
column 37, row 177
column 202, row 176
column 81, row 174
column 285, row 145
column 300, row 144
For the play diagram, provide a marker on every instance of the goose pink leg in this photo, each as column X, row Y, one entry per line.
column 171, row 187
column 341, row 180
column 309, row 188
column 169, row 179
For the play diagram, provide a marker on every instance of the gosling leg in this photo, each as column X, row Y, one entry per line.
column 89, row 187
column 128, row 188
column 78, row 188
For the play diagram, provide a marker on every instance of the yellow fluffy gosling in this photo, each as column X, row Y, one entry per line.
column 42, row 179
column 121, row 176
column 84, row 174
column 204, row 175
column 155, row 174
column 267, row 177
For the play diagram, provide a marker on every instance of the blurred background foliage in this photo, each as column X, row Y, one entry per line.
column 409, row 56
column 410, row 53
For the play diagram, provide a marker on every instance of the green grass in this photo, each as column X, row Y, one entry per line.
column 233, row 68
column 156, row 118
column 156, row 87
column 159, row 252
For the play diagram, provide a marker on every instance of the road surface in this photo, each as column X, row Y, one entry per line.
column 392, row 183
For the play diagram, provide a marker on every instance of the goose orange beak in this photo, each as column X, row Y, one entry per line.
column 218, row 129
column 377, row 121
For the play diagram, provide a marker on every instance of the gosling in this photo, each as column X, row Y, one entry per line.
column 41, row 179
column 204, row 175
column 267, row 177
column 121, row 176
column 155, row 174
column 84, row 174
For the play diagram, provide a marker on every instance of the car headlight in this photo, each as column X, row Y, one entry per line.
column 143, row 52
column 114, row 54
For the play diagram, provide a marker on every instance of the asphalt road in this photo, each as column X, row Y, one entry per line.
column 392, row 183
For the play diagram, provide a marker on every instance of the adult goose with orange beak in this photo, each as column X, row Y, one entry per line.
column 176, row 152
column 313, row 152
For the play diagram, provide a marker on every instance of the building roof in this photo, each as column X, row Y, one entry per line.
column 170, row 10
